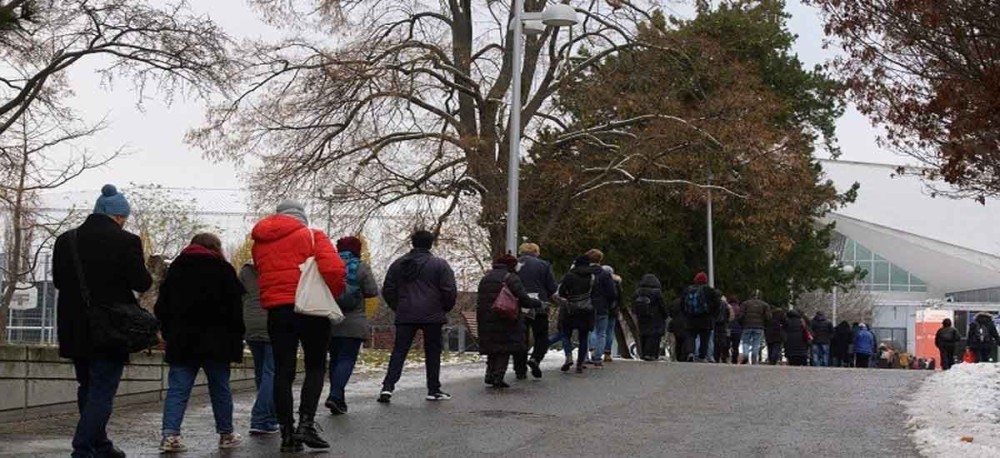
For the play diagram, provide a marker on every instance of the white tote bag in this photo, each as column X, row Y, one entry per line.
column 312, row 296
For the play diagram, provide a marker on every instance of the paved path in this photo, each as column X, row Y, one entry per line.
column 627, row 409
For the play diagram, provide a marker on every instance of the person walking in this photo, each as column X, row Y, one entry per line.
column 678, row 329
column 499, row 335
column 822, row 331
column 200, row 309
column 797, row 339
column 347, row 336
column 650, row 313
column 774, row 335
column 578, row 283
column 282, row 242
column 945, row 340
column 700, row 303
column 735, row 331
column 263, row 419
column 536, row 275
column 720, row 333
column 602, row 296
column 609, row 333
column 983, row 337
column 864, row 346
column 756, row 316
column 111, row 260
column 420, row 288
column 840, row 345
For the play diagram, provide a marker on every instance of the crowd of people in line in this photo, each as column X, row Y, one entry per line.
column 207, row 312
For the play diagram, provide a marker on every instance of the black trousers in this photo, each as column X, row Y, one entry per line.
column 947, row 358
column 861, row 360
column 405, row 333
column 537, row 339
column 721, row 345
column 287, row 330
column 797, row 360
column 982, row 355
column 496, row 367
column 734, row 348
column 773, row 353
column 649, row 345
column 701, row 335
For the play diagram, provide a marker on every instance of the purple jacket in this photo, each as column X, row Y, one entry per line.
column 420, row 288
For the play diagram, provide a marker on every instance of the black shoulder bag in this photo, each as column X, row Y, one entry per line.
column 117, row 326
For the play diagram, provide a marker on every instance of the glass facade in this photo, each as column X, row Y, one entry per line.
column 881, row 275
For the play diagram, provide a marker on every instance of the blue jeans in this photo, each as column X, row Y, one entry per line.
column 610, row 337
column 263, row 417
column 181, row 380
column 821, row 355
column 598, row 337
column 343, row 355
column 98, row 381
column 710, row 353
column 751, row 344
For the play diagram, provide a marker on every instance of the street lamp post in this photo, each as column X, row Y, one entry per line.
column 558, row 15
column 711, row 239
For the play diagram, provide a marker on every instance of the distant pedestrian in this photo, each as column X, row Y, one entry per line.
column 499, row 335
column 822, row 330
column 840, row 345
column 756, row 316
column 735, row 331
column 650, row 313
column 283, row 242
column 609, row 331
column 864, row 346
column 774, row 335
column 200, row 308
column 576, row 285
column 678, row 329
column 420, row 288
column 536, row 275
column 347, row 336
column 263, row 419
column 112, row 263
column 603, row 297
column 720, row 333
column 946, row 340
column 983, row 337
column 701, row 304
column 797, row 339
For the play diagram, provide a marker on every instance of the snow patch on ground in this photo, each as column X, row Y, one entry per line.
column 961, row 402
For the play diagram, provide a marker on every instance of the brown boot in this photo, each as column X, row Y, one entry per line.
column 607, row 357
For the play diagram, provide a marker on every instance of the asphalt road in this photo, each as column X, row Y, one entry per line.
column 627, row 409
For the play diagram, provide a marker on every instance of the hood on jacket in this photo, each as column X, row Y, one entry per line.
column 650, row 281
column 843, row 327
column 413, row 263
column 819, row 316
column 793, row 314
column 198, row 250
column 584, row 270
column 275, row 227
column 984, row 318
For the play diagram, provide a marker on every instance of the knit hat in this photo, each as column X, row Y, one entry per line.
column 581, row 261
column 294, row 209
column 112, row 202
column 701, row 278
column 351, row 244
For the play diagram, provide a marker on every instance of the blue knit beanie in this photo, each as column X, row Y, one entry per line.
column 112, row 202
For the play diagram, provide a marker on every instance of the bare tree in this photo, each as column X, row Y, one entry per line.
column 36, row 155
column 854, row 305
column 403, row 103
column 164, row 222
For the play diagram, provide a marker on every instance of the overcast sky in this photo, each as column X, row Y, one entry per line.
column 154, row 135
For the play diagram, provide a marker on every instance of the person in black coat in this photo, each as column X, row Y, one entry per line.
column 200, row 308
column 677, row 327
column 113, row 268
column 700, row 322
column 983, row 337
column 650, row 313
column 840, row 345
column 945, row 340
column 796, row 345
column 774, row 334
column 579, row 281
column 499, row 336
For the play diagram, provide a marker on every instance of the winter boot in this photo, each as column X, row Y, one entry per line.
column 607, row 357
column 307, row 434
column 289, row 443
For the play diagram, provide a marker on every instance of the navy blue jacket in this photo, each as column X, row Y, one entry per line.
column 420, row 288
column 537, row 277
column 605, row 292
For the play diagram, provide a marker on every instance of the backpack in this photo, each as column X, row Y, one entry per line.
column 581, row 304
column 352, row 298
column 978, row 334
column 642, row 306
column 695, row 303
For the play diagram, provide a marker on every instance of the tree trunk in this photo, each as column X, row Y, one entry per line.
column 13, row 267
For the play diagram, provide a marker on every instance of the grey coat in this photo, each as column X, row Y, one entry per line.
column 254, row 316
column 355, row 324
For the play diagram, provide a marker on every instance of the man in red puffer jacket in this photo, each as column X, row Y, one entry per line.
column 281, row 243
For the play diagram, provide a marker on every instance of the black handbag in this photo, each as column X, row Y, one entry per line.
column 117, row 326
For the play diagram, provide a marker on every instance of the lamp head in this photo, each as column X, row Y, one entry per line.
column 559, row 15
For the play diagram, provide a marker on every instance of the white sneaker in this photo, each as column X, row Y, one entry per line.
column 438, row 396
column 231, row 440
column 172, row 444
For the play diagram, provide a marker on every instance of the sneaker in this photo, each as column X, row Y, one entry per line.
column 536, row 370
column 439, row 396
column 385, row 397
column 172, row 444
column 336, row 406
column 231, row 440
column 265, row 430
column 597, row 364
